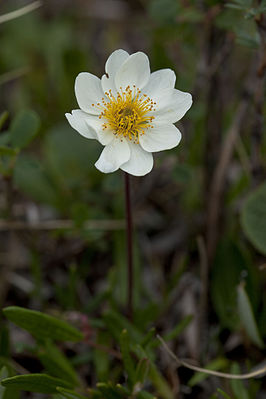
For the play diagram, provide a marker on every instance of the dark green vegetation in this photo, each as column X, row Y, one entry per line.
column 200, row 215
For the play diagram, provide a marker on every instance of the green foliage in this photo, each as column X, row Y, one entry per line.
column 31, row 178
column 42, row 326
column 217, row 364
column 6, row 393
column 230, row 267
column 57, row 364
column 213, row 48
column 247, row 316
column 24, row 128
column 35, row 383
column 68, row 394
column 253, row 218
column 238, row 387
column 223, row 394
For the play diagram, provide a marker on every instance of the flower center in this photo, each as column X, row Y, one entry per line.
column 127, row 114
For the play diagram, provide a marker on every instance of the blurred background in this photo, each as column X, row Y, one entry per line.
column 200, row 215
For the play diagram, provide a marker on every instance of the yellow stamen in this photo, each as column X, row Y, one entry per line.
column 127, row 114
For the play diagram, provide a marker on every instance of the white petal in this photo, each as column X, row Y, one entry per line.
column 113, row 156
column 161, row 137
column 159, row 80
column 134, row 71
column 77, row 120
column 140, row 162
column 104, row 136
column 88, row 91
column 171, row 105
column 112, row 65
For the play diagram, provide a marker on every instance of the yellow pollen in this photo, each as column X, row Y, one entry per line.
column 127, row 114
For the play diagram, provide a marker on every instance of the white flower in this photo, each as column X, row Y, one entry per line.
column 130, row 111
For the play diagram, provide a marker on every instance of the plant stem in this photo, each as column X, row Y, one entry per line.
column 130, row 276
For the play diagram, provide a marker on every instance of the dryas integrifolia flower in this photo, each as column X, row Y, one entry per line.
column 130, row 111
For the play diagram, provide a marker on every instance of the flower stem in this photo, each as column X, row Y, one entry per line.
column 130, row 276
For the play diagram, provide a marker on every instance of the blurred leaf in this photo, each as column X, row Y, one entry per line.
column 109, row 391
column 57, row 364
column 3, row 118
column 35, row 383
column 164, row 11
column 148, row 337
column 42, row 326
column 7, row 151
column 247, row 316
column 181, row 326
column 145, row 395
column 224, row 394
column 30, row 177
column 4, row 138
column 142, row 370
column 126, row 356
column 70, row 157
column 251, row 41
column 24, row 128
column 4, row 341
column 217, row 364
column 69, row 394
column 253, row 218
column 3, row 374
column 101, row 358
column 229, row 268
column 154, row 375
column 238, row 388
column 116, row 323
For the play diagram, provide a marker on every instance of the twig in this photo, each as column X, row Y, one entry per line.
column 21, row 11
column 183, row 363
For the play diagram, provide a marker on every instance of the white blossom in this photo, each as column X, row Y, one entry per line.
column 130, row 111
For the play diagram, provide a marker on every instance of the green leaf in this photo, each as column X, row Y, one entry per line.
column 57, row 364
column 230, row 265
column 217, row 364
column 35, row 383
column 154, row 375
column 224, row 394
column 126, row 356
column 24, row 128
column 142, row 370
column 148, row 337
column 109, row 391
column 69, row 394
column 31, row 178
column 116, row 323
column 42, row 326
column 3, row 374
column 3, row 118
column 181, row 326
column 253, row 218
column 7, row 151
column 247, row 317
column 6, row 393
column 4, row 138
column 238, row 388
column 145, row 395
